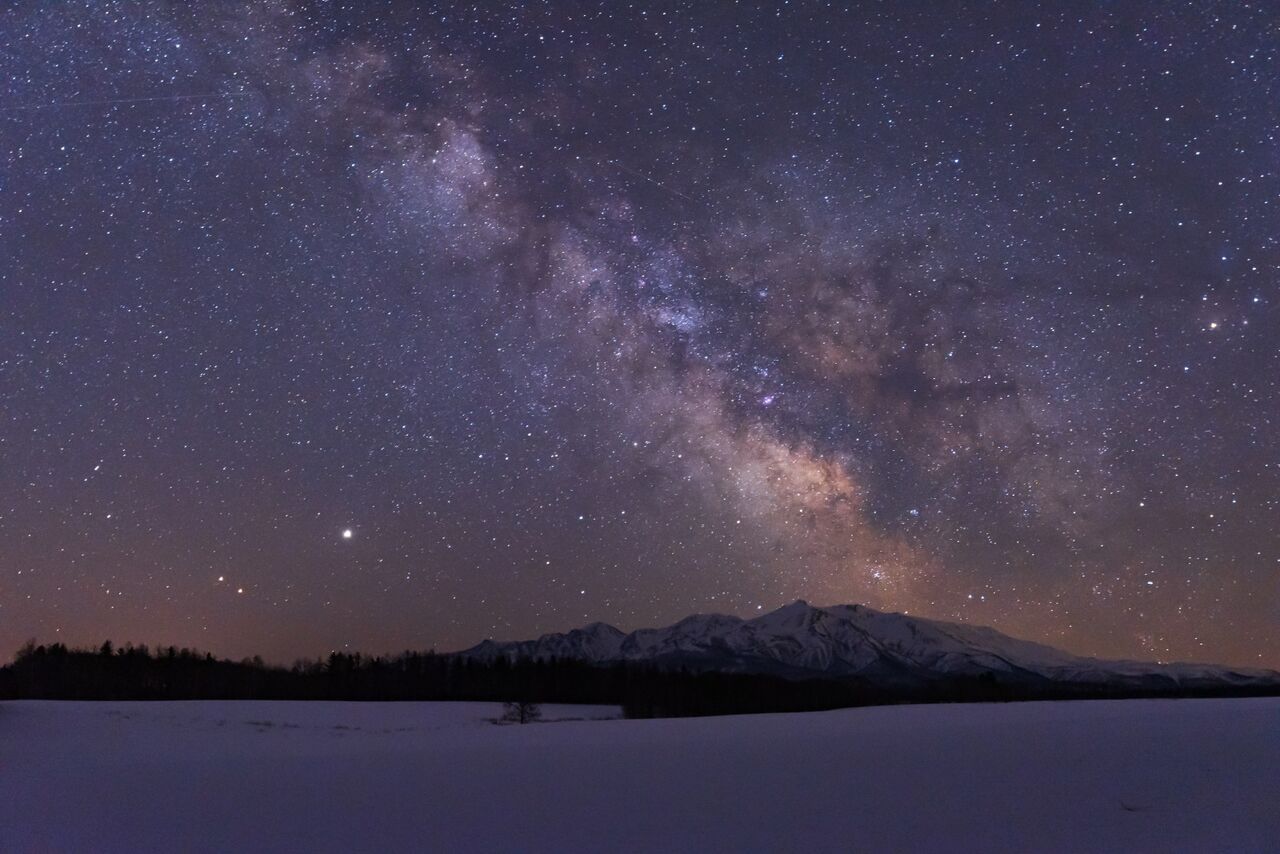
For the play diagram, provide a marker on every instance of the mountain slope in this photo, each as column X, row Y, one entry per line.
column 802, row 640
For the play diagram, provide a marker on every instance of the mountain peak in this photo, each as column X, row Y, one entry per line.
column 796, row 608
column 803, row 606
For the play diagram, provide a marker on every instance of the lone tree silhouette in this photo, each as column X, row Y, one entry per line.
column 521, row 712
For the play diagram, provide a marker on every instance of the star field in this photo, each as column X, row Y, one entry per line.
column 385, row 326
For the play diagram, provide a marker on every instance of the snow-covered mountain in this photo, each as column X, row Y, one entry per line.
column 851, row 640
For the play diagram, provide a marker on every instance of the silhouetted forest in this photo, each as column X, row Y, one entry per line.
column 138, row 673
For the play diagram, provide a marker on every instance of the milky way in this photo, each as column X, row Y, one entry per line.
column 384, row 326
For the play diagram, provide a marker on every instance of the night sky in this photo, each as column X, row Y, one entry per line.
column 377, row 326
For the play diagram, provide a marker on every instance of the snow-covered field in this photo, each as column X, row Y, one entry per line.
column 1188, row 775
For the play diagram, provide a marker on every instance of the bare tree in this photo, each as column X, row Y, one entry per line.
column 521, row 712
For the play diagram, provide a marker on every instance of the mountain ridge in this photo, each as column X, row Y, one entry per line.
column 800, row 640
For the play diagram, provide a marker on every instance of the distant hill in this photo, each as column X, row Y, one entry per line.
column 895, row 650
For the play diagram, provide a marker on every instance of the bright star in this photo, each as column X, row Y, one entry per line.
column 347, row 534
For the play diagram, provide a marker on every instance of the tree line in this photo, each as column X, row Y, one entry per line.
column 642, row 690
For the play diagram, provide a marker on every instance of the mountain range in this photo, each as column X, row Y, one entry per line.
column 852, row 641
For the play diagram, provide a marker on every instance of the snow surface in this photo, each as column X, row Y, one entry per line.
column 1150, row 775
